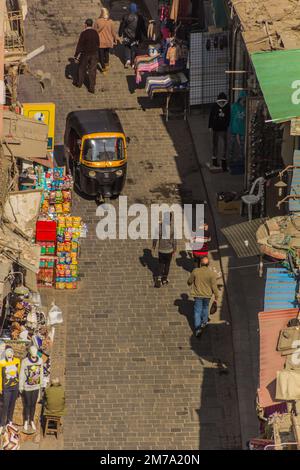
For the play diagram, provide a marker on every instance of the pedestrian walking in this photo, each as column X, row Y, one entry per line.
column 199, row 244
column 238, row 128
column 132, row 30
column 219, row 120
column 86, row 54
column 107, row 36
column 166, row 249
column 203, row 284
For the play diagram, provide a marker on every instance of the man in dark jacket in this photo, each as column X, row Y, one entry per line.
column 132, row 29
column 87, row 54
column 219, row 120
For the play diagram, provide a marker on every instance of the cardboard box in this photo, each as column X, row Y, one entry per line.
column 232, row 207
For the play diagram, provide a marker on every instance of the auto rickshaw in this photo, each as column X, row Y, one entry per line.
column 96, row 152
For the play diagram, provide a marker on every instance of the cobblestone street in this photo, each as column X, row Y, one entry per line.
column 135, row 376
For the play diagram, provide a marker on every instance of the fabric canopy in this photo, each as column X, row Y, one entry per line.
column 278, row 73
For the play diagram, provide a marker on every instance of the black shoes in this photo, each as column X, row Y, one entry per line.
column 214, row 161
column 157, row 282
column 224, row 164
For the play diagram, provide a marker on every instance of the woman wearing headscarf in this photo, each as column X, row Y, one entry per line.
column 107, row 35
column 132, row 29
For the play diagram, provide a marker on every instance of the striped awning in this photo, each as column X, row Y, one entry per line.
column 242, row 237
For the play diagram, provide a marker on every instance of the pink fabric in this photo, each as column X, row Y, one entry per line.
column 270, row 324
column 141, row 66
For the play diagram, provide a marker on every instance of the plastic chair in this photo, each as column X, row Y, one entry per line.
column 252, row 199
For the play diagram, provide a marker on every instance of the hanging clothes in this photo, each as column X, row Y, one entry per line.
column 174, row 10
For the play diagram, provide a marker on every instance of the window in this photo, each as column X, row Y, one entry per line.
column 101, row 150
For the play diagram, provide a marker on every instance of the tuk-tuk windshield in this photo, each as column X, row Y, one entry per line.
column 103, row 149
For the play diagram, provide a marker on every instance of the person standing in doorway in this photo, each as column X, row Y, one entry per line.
column 219, row 120
column 86, row 54
column 107, row 36
column 166, row 249
column 132, row 29
column 238, row 128
column 203, row 284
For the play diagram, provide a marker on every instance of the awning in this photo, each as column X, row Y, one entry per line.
column 278, row 73
column 22, row 208
column 242, row 237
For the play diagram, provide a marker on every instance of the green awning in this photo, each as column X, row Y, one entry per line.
column 278, row 73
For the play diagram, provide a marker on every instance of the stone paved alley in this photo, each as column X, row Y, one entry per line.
column 135, row 376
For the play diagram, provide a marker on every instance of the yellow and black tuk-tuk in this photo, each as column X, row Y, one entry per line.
column 96, row 152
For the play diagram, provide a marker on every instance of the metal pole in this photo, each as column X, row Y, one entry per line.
column 2, row 86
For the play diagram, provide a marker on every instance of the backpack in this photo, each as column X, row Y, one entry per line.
column 131, row 26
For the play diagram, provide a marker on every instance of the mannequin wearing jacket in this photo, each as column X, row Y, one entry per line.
column 9, row 385
column 31, row 382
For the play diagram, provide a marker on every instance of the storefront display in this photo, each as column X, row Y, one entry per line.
column 68, row 235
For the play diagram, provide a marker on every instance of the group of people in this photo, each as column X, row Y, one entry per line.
column 202, row 280
column 222, row 118
column 100, row 36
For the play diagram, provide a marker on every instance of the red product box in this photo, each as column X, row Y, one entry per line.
column 46, row 231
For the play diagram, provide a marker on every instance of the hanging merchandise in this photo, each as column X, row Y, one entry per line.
column 209, row 60
column 55, row 315
column 264, row 142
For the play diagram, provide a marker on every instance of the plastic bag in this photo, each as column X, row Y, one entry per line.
column 55, row 315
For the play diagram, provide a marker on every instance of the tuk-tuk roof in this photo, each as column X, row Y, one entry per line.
column 92, row 121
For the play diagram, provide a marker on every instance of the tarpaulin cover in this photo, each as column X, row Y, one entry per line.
column 271, row 360
column 278, row 73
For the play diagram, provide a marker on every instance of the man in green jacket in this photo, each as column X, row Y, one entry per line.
column 203, row 284
column 54, row 399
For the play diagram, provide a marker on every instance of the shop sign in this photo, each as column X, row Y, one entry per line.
column 43, row 112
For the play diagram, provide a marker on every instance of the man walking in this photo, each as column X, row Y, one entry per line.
column 203, row 284
column 87, row 55
column 166, row 248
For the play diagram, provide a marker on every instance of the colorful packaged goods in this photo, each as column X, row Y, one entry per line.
column 68, row 233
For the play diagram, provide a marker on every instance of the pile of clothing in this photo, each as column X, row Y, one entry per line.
column 10, row 438
column 146, row 63
column 166, row 83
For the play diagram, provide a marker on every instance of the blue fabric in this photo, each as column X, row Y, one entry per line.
column 133, row 8
column 238, row 116
column 200, row 312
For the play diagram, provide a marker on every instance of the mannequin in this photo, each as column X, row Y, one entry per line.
column 31, row 382
column 9, row 385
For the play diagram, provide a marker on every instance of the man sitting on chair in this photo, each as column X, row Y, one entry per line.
column 54, row 399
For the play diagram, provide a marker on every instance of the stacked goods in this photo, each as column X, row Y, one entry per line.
column 68, row 234
column 57, row 194
column 46, row 238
